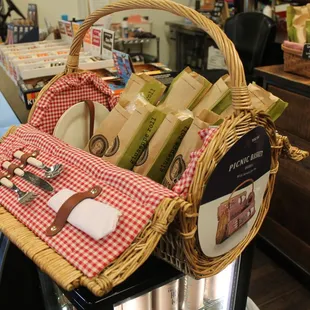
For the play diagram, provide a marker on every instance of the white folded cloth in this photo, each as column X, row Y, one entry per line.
column 95, row 218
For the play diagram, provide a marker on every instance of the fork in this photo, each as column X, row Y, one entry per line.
column 50, row 172
column 23, row 197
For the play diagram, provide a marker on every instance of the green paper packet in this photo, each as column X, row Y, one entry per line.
column 301, row 14
column 308, row 31
column 152, row 90
column 185, row 90
column 148, row 86
column 190, row 143
column 290, row 13
column 217, row 99
column 266, row 101
column 276, row 110
column 134, row 136
column 155, row 161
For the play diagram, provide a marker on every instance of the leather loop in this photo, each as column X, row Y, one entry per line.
column 67, row 207
column 91, row 108
column 12, row 168
column 4, row 175
column 25, row 157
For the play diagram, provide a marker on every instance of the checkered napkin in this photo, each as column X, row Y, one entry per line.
column 67, row 91
column 182, row 186
column 135, row 196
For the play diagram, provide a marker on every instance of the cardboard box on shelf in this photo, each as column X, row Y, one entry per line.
column 30, row 89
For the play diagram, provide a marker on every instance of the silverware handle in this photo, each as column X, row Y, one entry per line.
column 17, row 171
column 7, row 183
column 31, row 160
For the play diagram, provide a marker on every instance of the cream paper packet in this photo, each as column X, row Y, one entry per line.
column 217, row 99
column 185, row 90
column 134, row 136
column 298, row 15
column 108, row 129
column 155, row 161
column 190, row 143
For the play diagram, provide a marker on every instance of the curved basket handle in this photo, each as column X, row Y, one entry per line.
column 240, row 185
column 240, row 94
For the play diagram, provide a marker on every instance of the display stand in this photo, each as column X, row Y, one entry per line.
column 153, row 274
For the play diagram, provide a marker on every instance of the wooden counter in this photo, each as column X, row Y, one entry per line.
column 287, row 225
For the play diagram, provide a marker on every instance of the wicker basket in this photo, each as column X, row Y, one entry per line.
column 179, row 245
column 294, row 63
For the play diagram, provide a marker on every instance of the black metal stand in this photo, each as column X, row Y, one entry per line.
column 153, row 274
column 22, row 285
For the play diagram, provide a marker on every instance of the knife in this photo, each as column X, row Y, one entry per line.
column 30, row 177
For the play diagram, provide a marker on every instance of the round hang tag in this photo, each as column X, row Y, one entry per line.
column 234, row 194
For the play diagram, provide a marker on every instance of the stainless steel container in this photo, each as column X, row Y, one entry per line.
column 143, row 302
column 193, row 293
column 181, row 293
column 166, row 297
column 217, row 289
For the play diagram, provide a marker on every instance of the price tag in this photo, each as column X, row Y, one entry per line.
column 306, row 51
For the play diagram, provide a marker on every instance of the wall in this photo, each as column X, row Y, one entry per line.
column 158, row 19
column 51, row 10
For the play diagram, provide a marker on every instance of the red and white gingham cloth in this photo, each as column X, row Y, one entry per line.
column 135, row 196
column 182, row 186
column 67, row 91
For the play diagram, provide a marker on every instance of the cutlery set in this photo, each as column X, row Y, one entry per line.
column 12, row 169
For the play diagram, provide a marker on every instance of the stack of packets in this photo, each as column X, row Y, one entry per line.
column 124, row 133
column 186, row 90
column 154, row 134
column 266, row 101
column 298, row 23
column 145, row 129
column 218, row 100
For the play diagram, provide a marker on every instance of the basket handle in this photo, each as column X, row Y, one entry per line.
column 240, row 94
column 240, row 185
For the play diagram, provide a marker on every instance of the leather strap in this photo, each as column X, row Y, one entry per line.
column 67, row 207
column 91, row 108
column 12, row 168
column 25, row 157
column 4, row 175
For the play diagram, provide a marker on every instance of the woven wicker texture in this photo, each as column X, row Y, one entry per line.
column 294, row 63
column 179, row 246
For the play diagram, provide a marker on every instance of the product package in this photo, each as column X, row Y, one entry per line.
column 186, row 90
column 297, row 19
column 105, row 136
column 218, row 98
column 156, row 159
column 108, row 130
column 266, row 101
column 261, row 100
column 134, row 136
column 191, row 142
column 146, row 85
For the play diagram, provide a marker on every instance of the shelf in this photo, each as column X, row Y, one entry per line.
column 154, row 273
column 134, row 40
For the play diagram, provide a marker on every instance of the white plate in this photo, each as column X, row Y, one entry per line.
column 73, row 125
